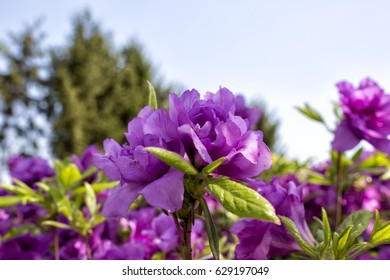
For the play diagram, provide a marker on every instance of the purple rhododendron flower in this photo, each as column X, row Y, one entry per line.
column 139, row 172
column 264, row 240
column 367, row 116
column 29, row 170
column 210, row 128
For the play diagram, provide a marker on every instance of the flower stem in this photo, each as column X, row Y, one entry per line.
column 56, row 245
column 89, row 253
column 187, row 225
column 339, row 188
column 178, row 228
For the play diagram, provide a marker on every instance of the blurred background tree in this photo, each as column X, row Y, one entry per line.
column 97, row 88
column 23, row 109
column 57, row 101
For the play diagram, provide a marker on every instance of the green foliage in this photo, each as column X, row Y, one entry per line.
column 173, row 159
column 242, row 200
column 67, row 194
column 99, row 89
column 23, row 103
column 84, row 91
column 347, row 241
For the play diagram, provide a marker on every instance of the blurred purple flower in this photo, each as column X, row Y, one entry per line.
column 29, row 170
column 163, row 233
column 139, row 172
column 26, row 247
column 128, row 251
column 5, row 222
column 367, row 116
column 210, row 129
column 264, row 240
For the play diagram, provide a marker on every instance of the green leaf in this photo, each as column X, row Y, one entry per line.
column 211, row 229
column 64, row 207
column 6, row 201
column 310, row 112
column 97, row 187
column 152, row 96
column 43, row 186
column 173, row 159
column 357, row 155
column 241, row 200
column 13, row 189
column 291, row 227
column 98, row 220
column 377, row 222
column 90, row 198
column 212, row 166
column 359, row 219
column 327, row 232
column 55, row 224
column 317, row 179
column 69, row 175
column 344, row 237
column 381, row 235
column 25, row 187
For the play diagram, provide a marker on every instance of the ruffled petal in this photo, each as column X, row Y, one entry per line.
column 166, row 192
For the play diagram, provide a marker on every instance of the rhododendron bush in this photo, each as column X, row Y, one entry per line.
column 196, row 181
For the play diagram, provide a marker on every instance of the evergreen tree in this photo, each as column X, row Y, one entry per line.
column 98, row 88
column 23, row 108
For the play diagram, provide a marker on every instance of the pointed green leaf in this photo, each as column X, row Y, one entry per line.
column 344, row 237
column 26, row 188
column 211, row 230
column 310, row 112
column 359, row 219
column 55, row 224
column 317, row 178
column 291, row 227
column 242, row 201
column 377, row 222
column 327, row 232
column 152, row 96
column 357, row 155
column 381, row 235
column 13, row 189
column 6, row 201
column 173, row 159
column 69, row 175
column 43, row 186
column 212, row 166
column 90, row 198
column 97, row 187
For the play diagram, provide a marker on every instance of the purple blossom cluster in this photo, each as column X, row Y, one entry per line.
column 202, row 130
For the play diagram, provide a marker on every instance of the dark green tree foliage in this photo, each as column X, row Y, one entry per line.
column 23, row 106
column 98, row 89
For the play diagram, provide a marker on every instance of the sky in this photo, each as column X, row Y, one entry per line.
column 283, row 52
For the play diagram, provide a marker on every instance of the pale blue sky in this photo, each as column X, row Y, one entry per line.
column 286, row 52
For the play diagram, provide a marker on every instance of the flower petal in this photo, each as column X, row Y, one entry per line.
column 166, row 192
column 344, row 139
column 120, row 199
